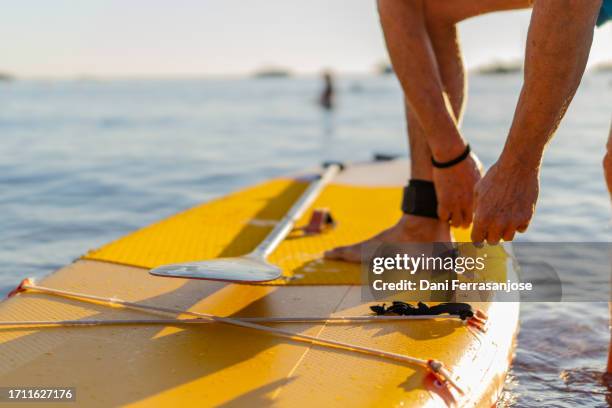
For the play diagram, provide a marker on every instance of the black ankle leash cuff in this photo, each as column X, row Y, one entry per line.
column 420, row 199
column 450, row 163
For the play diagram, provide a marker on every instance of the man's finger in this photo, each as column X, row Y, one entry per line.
column 494, row 233
column 509, row 234
column 443, row 213
column 456, row 218
column 467, row 218
column 522, row 228
column 475, row 197
column 474, row 207
column 478, row 231
column 467, row 212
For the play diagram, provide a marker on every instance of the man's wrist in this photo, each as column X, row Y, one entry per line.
column 448, row 150
column 524, row 147
column 453, row 162
column 519, row 164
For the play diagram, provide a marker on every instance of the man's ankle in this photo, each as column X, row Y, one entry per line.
column 419, row 225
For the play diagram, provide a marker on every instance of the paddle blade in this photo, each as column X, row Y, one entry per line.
column 241, row 269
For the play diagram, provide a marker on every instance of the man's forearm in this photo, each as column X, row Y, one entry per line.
column 558, row 45
column 416, row 67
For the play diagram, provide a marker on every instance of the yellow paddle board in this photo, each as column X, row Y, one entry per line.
column 219, row 365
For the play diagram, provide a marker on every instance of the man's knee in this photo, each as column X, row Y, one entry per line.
column 450, row 12
column 438, row 14
column 408, row 14
column 400, row 7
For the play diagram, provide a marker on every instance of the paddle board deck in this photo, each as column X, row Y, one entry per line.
column 218, row 365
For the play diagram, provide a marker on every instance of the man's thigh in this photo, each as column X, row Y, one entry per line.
column 453, row 11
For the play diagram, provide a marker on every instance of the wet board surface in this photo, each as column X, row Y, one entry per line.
column 229, row 366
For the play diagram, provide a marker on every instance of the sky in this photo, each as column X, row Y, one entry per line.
column 67, row 38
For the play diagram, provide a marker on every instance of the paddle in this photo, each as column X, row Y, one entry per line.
column 252, row 267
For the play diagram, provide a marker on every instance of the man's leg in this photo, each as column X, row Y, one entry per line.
column 607, row 163
column 607, row 166
column 444, row 38
column 439, row 18
column 412, row 228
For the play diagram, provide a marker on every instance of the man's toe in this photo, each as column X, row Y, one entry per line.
column 350, row 253
column 334, row 254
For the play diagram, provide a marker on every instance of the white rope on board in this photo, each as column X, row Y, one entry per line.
column 435, row 366
column 287, row 319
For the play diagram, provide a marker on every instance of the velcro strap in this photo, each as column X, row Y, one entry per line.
column 420, row 199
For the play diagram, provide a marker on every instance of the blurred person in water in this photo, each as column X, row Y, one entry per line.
column 447, row 187
column 328, row 94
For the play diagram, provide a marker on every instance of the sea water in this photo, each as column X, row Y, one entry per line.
column 85, row 161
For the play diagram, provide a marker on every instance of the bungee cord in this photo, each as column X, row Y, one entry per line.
column 434, row 366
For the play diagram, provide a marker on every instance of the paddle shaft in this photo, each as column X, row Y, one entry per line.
column 286, row 224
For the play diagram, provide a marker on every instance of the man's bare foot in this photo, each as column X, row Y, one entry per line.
column 410, row 228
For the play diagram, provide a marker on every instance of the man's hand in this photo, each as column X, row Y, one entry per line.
column 455, row 190
column 505, row 201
